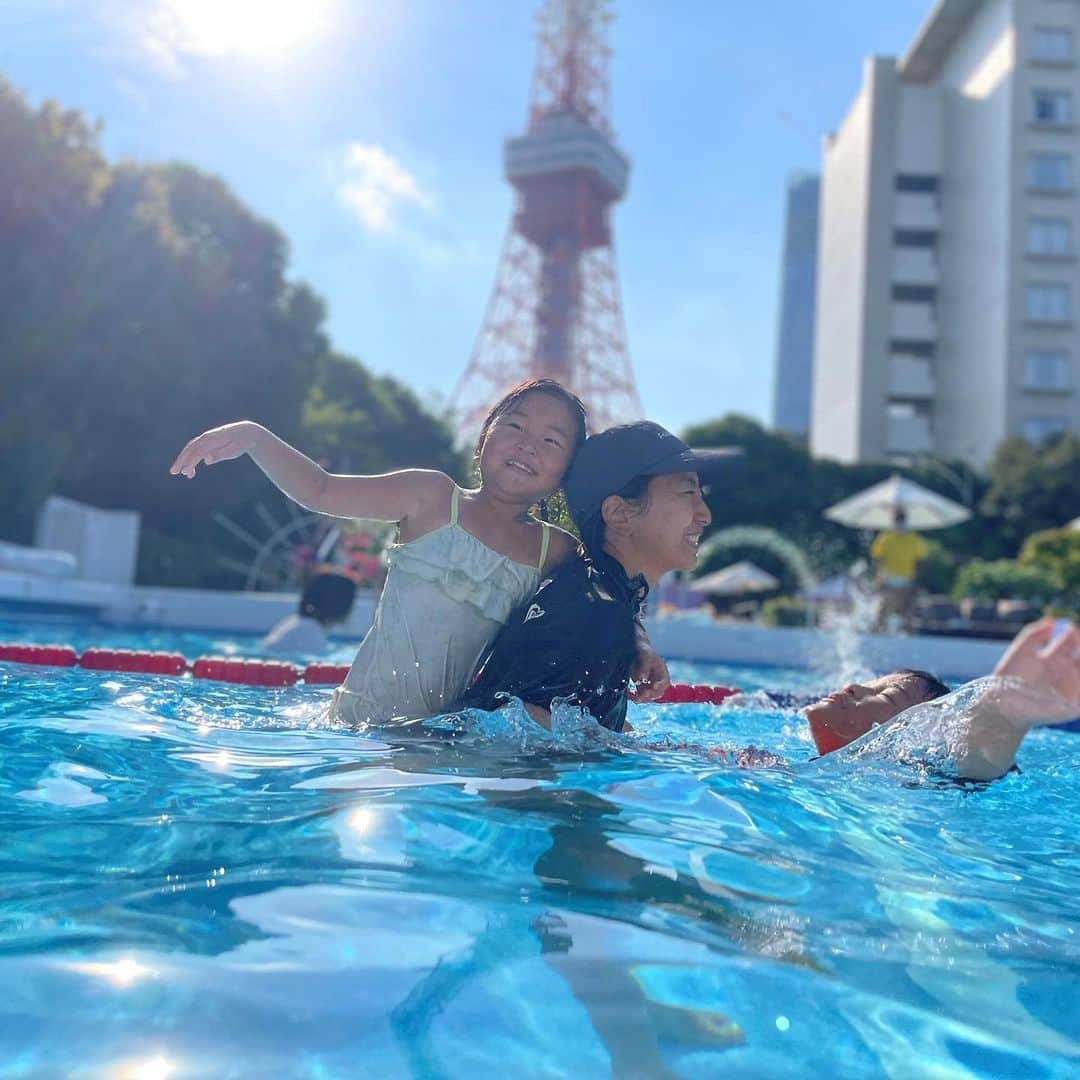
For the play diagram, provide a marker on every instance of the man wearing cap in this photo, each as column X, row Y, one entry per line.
column 634, row 493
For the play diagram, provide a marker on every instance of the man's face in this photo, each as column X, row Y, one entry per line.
column 843, row 716
column 668, row 532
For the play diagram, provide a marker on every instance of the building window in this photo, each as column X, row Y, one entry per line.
column 914, row 294
column 1048, row 303
column 1037, row 429
column 1051, row 107
column 1050, row 172
column 920, row 238
column 1046, row 369
column 916, row 182
column 1049, row 236
column 1051, row 44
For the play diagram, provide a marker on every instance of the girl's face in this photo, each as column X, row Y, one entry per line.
column 666, row 534
column 529, row 447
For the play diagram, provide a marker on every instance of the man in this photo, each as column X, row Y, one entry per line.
column 897, row 554
column 635, row 496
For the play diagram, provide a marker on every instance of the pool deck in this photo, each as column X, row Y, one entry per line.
column 32, row 596
column 953, row 658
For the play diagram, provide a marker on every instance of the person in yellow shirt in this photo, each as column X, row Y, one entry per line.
column 897, row 554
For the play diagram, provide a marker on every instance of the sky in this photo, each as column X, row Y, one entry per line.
column 369, row 132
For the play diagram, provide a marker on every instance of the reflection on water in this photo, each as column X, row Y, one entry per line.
column 206, row 881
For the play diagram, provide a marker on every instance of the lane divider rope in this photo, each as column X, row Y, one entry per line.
column 252, row 672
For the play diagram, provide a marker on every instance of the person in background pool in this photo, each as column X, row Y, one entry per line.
column 464, row 558
column 326, row 601
column 1036, row 682
column 635, row 495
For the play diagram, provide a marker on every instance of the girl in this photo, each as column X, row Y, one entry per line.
column 464, row 558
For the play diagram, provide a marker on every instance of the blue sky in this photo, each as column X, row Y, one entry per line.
column 369, row 132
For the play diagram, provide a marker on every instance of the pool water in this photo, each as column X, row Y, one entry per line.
column 200, row 880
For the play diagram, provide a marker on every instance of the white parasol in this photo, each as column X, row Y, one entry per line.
column 875, row 508
column 740, row 577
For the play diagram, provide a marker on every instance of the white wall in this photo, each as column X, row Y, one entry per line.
column 976, row 253
column 842, row 239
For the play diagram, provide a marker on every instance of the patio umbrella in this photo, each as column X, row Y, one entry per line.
column 876, row 507
column 740, row 577
column 839, row 587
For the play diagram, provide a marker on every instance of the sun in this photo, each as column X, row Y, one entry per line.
column 266, row 30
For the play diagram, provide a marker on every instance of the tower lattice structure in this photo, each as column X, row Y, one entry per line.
column 555, row 311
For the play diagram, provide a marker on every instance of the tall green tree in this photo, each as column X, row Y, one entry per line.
column 142, row 304
column 1032, row 488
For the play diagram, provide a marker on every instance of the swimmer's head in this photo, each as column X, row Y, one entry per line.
column 635, row 492
column 328, row 595
column 529, row 438
column 843, row 716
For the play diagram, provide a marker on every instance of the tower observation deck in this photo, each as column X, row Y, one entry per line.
column 555, row 311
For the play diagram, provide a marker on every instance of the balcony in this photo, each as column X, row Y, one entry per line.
column 909, row 435
column 910, row 378
column 917, row 210
column 915, row 266
column 912, row 322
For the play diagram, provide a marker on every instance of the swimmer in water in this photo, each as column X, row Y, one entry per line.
column 1036, row 682
column 464, row 558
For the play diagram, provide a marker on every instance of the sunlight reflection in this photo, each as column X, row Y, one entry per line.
column 361, row 820
column 121, row 973
column 158, row 1068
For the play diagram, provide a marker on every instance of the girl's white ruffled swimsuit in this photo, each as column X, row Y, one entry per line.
column 446, row 596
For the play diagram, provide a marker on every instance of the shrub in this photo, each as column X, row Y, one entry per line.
column 1006, row 579
column 785, row 611
column 1057, row 552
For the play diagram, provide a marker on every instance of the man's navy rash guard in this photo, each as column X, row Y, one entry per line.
column 573, row 640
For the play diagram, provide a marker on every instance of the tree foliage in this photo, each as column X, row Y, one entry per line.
column 1056, row 552
column 1006, row 579
column 142, row 304
column 1032, row 488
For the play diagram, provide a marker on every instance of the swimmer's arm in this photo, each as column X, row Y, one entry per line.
column 1035, row 683
column 393, row 496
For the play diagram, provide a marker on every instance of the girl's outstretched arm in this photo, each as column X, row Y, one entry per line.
column 393, row 496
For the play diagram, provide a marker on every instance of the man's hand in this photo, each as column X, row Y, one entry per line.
column 650, row 674
column 1049, row 670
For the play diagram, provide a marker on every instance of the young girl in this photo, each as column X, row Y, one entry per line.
column 464, row 558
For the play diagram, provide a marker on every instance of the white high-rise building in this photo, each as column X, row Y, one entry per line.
column 795, row 329
column 947, row 290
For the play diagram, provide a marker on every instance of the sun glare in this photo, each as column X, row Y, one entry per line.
column 259, row 29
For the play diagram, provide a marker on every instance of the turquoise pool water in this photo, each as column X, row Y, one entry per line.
column 199, row 880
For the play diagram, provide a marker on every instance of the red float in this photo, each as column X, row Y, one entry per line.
column 51, row 655
column 684, row 693
column 326, row 674
column 249, row 672
column 149, row 663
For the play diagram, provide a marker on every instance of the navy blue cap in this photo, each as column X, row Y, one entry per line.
column 608, row 461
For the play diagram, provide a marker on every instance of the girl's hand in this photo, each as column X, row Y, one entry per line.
column 650, row 674
column 217, row 444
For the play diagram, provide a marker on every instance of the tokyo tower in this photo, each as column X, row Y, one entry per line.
column 555, row 310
